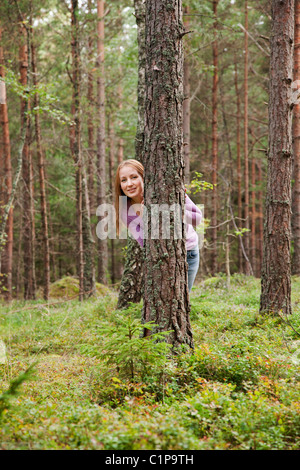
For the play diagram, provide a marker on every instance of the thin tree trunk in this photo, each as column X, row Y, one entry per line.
column 166, row 296
column 6, row 189
column 238, row 157
column 246, row 156
column 261, row 222
column 75, row 144
column 27, row 171
column 41, row 166
column 215, row 144
column 253, row 216
column 296, row 151
column 111, row 162
column 131, row 288
column 276, row 265
column 101, row 160
column 90, row 125
column 186, row 107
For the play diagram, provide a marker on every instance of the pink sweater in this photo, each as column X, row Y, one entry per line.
column 193, row 217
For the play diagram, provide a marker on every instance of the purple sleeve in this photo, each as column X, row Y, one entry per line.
column 193, row 214
column 134, row 223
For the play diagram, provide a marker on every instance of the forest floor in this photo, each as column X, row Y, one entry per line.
column 95, row 384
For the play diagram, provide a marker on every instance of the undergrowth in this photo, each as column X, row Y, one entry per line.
column 99, row 384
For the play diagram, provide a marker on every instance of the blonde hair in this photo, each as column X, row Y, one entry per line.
column 118, row 190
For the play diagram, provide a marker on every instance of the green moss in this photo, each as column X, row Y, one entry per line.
column 68, row 286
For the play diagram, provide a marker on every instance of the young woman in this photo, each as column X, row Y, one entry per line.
column 130, row 183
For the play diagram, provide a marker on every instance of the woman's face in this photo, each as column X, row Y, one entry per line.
column 131, row 183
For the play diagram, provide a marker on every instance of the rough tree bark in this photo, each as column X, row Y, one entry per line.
column 276, row 265
column 166, row 296
column 296, row 150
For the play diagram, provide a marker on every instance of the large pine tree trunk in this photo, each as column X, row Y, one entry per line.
column 6, row 189
column 296, row 151
column 166, row 296
column 101, row 160
column 276, row 266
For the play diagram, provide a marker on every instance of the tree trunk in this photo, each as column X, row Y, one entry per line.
column 276, row 265
column 27, row 172
column 90, row 126
column 131, row 288
column 214, row 267
column 111, row 163
column 166, row 296
column 6, row 190
column 75, row 144
column 261, row 221
column 253, row 216
column 85, row 242
column 246, row 154
column 238, row 158
column 41, row 166
column 296, row 151
column 186, row 108
column 101, row 160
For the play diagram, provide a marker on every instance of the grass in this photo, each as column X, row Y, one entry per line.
column 239, row 389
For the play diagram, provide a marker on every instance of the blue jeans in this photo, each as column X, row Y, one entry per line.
column 193, row 265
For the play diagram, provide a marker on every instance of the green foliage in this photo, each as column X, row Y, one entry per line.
column 100, row 385
column 126, row 348
column 14, row 388
column 198, row 185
